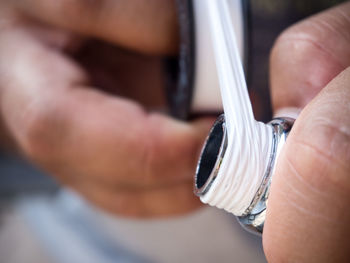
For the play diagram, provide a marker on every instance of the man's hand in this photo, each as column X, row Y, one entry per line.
column 308, row 212
column 108, row 148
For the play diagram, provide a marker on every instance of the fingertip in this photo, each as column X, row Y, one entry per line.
column 289, row 112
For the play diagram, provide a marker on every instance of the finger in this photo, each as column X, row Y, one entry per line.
column 164, row 201
column 308, row 55
column 147, row 26
column 70, row 128
column 308, row 213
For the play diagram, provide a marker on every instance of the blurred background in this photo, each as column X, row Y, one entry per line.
column 42, row 222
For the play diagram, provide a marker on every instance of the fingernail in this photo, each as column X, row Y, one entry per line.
column 290, row 112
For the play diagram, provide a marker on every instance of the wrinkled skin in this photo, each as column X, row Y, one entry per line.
column 308, row 211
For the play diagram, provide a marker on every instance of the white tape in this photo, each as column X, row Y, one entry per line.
column 206, row 92
column 249, row 141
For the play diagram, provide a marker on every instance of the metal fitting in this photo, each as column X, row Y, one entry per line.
column 213, row 152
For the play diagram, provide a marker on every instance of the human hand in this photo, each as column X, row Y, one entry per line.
column 110, row 149
column 308, row 212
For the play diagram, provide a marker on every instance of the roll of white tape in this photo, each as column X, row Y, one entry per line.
column 206, row 92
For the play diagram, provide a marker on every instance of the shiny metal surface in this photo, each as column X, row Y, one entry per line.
column 254, row 217
column 210, row 160
column 211, row 156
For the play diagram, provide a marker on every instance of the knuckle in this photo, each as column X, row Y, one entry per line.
column 306, row 53
column 316, row 34
column 295, row 40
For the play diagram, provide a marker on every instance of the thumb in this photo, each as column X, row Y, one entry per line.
column 308, row 214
